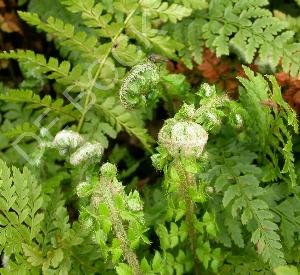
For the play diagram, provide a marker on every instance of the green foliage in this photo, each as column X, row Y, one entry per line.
column 237, row 172
column 288, row 270
column 275, row 115
column 35, row 230
column 242, row 197
column 225, row 196
column 35, row 102
column 245, row 27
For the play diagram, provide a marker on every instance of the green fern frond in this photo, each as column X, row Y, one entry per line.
column 164, row 11
column 66, row 34
column 265, row 236
column 62, row 72
column 20, row 129
column 99, row 131
column 194, row 4
column 21, row 204
column 189, row 32
column 239, row 181
column 268, row 110
column 119, row 118
column 247, row 27
column 34, row 101
column 91, row 12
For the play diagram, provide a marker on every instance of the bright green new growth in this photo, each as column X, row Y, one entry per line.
column 114, row 215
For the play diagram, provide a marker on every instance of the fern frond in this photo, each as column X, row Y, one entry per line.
column 20, row 129
column 91, row 12
column 265, row 236
column 119, row 118
column 189, row 32
column 20, row 205
column 140, row 29
column 62, row 72
column 267, row 110
column 66, row 34
column 99, row 131
column 164, row 11
column 35, row 102
column 238, row 180
column 194, row 4
column 247, row 27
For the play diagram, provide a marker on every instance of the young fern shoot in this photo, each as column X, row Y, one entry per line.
column 114, row 216
column 111, row 214
column 185, row 140
column 139, row 88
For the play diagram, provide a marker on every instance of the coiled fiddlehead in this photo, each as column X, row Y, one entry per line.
column 139, row 87
column 184, row 138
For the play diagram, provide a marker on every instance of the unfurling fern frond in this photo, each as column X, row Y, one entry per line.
column 139, row 87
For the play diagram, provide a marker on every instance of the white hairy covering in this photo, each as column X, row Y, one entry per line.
column 183, row 138
column 67, row 139
column 88, row 151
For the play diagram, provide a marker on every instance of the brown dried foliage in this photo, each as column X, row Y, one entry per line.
column 223, row 72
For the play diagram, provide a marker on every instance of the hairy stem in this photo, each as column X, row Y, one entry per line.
column 187, row 180
column 120, row 231
column 101, row 65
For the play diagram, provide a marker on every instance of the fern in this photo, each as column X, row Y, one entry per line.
column 194, row 4
column 36, row 223
column 60, row 72
column 98, row 131
column 275, row 117
column 86, row 46
column 14, row 132
column 265, row 236
column 165, row 12
column 21, row 202
column 80, row 41
column 91, row 12
column 239, row 179
column 226, row 199
column 35, row 101
column 244, row 27
column 117, row 116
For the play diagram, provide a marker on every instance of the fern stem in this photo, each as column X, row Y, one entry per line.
column 120, row 231
column 101, row 65
column 187, row 180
